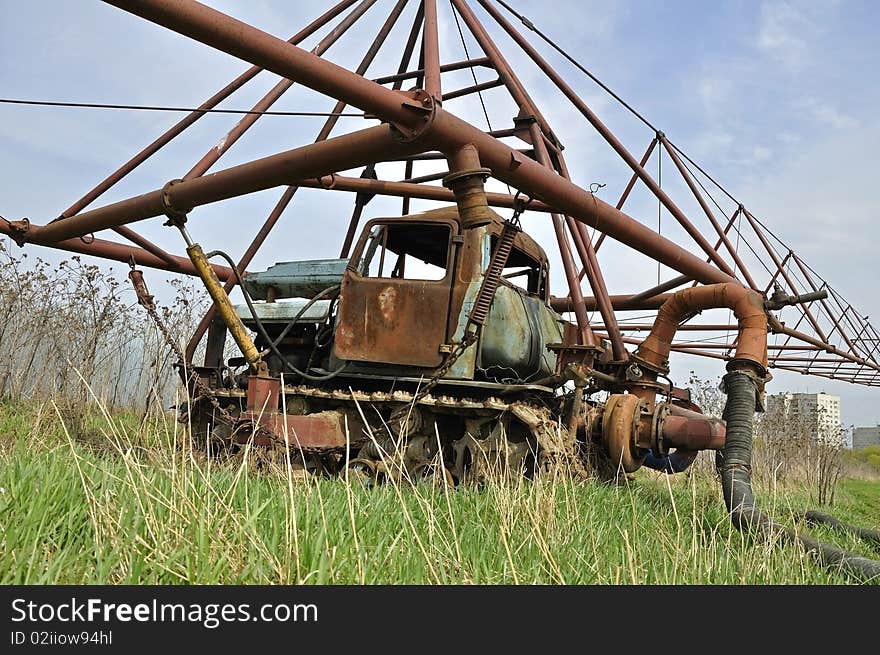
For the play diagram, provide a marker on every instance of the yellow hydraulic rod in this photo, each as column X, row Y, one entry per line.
column 224, row 306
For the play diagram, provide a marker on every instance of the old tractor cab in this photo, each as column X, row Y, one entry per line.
column 404, row 301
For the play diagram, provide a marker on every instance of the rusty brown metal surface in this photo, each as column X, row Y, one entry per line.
column 746, row 304
column 379, row 317
column 431, row 49
column 321, row 431
column 691, row 430
column 262, row 394
column 316, row 160
column 620, row 426
column 121, row 252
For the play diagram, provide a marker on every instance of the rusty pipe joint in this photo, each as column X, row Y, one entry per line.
column 747, row 306
column 423, row 108
column 18, row 231
column 622, row 427
column 467, row 181
column 630, row 426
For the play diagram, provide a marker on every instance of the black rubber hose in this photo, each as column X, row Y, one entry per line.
column 818, row 518
column 735, row 469
column 262, row 330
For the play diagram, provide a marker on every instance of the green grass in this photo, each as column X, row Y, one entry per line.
column 119, row 502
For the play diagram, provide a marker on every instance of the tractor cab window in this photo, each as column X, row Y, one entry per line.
column 410, row 251
column 523, row 271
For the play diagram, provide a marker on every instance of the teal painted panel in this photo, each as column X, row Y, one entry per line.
column 304, row 279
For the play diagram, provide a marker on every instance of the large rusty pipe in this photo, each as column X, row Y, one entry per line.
column 683, row 428
column 445, row 131
column 747, row 306
column 315, row 160
column 431, row 50
column 124, row 253
column 192, row 117
column 620, row 303
column 409, row 190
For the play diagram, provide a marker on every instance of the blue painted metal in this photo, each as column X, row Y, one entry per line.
column 304, row 279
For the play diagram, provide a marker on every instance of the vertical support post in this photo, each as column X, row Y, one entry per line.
column 432, row 51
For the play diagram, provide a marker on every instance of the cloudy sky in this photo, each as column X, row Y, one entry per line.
column 777, row 100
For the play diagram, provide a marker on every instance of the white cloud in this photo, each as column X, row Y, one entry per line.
column 780, row 33
column 829, row 115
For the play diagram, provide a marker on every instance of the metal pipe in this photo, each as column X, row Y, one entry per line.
column 444, row 131
column 146, row 244
column 474, row 88
column 191, row 118
column 432, row 50
column 445, row 68
column 685, row 174
column 121, row 252
column 620, row 303
column 747, row 306
column 408, row 190
column 669, row 285
column 315, row 160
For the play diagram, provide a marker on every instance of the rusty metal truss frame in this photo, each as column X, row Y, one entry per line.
column 825, row 337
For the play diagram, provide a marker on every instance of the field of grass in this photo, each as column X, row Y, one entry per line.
column 117, row 500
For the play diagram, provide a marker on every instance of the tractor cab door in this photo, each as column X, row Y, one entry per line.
column 396, row 291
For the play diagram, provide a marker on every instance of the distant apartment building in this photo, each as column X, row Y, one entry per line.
column 817, row 414
column 864, row 437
